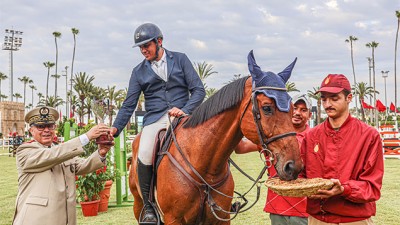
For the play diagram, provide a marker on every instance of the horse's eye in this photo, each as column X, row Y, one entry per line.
column 267, row 110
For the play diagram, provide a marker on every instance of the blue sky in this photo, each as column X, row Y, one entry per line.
column 218, row 32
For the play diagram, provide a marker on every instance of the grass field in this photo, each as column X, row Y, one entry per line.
column 388, row 207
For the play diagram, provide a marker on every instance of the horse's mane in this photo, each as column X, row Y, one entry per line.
column 227, row 97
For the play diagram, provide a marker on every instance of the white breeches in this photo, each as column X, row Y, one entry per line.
column 149, row 133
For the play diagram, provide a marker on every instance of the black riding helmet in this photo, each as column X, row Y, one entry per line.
column 145, row 33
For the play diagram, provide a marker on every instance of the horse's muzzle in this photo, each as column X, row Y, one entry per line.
column 290, row 172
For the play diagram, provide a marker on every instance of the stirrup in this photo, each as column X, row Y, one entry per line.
column 157, row 222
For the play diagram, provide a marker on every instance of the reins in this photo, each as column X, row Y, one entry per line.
column 264, row 140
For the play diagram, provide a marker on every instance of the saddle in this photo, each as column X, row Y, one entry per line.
column 162, row 143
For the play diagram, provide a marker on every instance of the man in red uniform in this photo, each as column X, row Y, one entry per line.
column 286, row 210
column 349, row 152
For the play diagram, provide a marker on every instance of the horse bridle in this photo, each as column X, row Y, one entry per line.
column 264, row 140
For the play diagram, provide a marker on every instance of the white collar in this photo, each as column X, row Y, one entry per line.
column 161, row 61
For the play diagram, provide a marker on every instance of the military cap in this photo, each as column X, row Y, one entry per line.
column 41, row 115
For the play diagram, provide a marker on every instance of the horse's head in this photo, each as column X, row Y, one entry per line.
column 267, row 118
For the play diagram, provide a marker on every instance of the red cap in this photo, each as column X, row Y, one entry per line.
column 334, row 83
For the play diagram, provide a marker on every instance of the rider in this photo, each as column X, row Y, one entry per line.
column 170, row 85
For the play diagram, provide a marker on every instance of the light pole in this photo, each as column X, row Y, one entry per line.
column 370, row 99
column 12, row 42
column 66, row 91
column 70, row 100
column 385, row 75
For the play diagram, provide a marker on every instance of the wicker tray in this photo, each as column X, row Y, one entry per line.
column 300, row 187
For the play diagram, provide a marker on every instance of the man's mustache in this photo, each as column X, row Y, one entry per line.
column 330, row 108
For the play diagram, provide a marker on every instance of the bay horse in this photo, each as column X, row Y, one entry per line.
column 205, row 141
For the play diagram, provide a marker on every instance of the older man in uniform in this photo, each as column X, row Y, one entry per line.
column 46, row 171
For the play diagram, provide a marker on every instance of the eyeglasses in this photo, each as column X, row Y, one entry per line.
column 41, row 127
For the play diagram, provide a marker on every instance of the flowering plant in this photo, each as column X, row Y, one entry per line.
column 88, row 186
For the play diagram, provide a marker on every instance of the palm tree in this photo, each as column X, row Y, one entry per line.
column 363, row 91
column 56, row 77
column 17, row 96
column 350, row 40
column 3, row 96
column 48, row 65
column 52, row 102
column 291, row 87
column 204, row 70
column 33, row 87
column 29, row 106
column 373, row 45
column 113, row 97
column 120, row 100
column 395, row 58
column 74, row 33
column 210, row 92
column 26, row 80
column 56, row 35
column 2, row 77
column 40, row 95
column 317, row 97
column 83, row 86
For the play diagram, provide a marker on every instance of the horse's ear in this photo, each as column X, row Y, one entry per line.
column 254, row 69
column 285, row 74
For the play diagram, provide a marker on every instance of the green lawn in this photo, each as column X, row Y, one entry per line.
column 388, row 207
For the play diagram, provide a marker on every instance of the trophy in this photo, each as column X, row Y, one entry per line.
column 100, row 110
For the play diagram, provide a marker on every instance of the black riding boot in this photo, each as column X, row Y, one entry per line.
column 145, row 173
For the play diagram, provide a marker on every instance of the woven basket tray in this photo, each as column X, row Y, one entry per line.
column 300, row 187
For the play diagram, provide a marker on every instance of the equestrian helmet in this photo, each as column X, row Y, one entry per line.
column 146, row 33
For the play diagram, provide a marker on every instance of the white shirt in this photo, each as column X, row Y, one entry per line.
column 160, row 67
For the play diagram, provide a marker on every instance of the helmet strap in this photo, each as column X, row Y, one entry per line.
column 157, row 48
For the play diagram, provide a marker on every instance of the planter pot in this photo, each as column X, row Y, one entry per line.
column 90, row 208
column 105, row 196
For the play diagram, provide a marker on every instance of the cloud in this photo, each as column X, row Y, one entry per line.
column 267, row 17
column 332, row 4
column 201, row 45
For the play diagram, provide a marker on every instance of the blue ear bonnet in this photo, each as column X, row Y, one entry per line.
column 270, row 79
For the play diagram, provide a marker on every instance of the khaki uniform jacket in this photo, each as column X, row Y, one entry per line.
column 46, row 182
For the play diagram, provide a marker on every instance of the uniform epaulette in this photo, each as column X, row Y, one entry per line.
column 31, row 141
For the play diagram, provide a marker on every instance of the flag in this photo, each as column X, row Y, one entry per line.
column 392, row 107
column 380, row 107
column 366, row 106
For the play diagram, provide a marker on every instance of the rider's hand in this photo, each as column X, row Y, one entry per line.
column 175, row 112
column 113, row 130
column 96, row 131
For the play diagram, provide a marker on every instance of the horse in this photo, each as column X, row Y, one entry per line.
column 194, row 177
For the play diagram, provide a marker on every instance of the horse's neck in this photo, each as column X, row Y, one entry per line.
column 212, row 143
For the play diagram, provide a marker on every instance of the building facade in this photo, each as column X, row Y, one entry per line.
column 12, row 118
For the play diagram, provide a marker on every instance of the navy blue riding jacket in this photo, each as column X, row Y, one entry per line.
column 183, row 90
